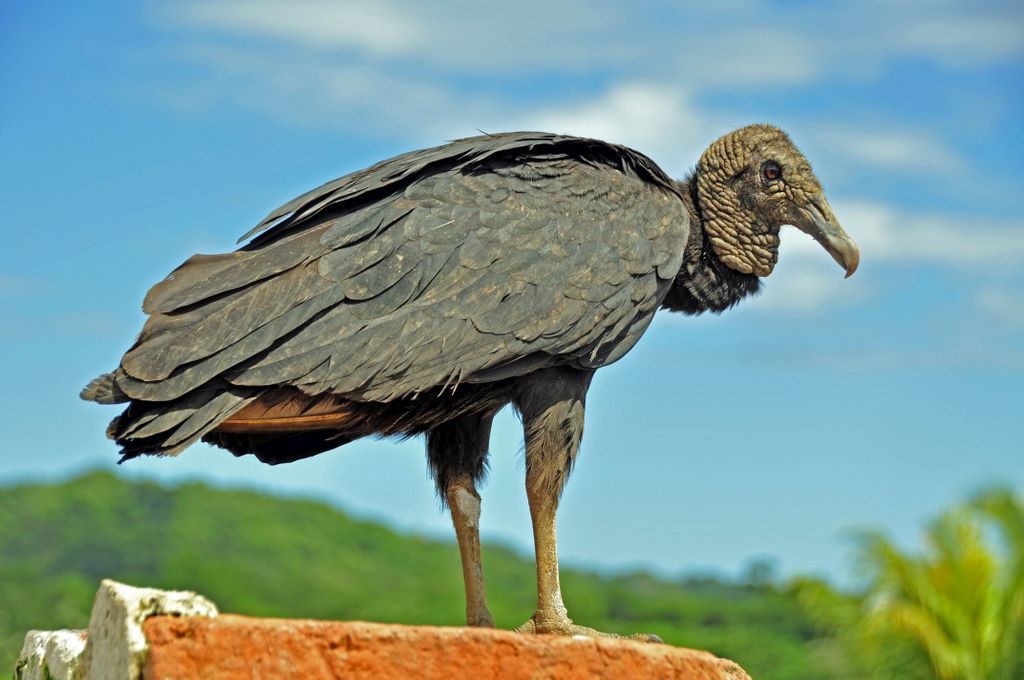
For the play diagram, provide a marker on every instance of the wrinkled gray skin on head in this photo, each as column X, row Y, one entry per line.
column 752, row 181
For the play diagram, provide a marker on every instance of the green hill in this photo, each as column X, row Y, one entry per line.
column 266, row 556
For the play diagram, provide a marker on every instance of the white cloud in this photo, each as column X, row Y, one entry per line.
column 666, row 122
column 733, row 55
column 1003, row 305
column 658, row 120
column 376, row 27
column 393, row 66
column 886, row 233
column 964, row 39
column 705, row 45
column 806, row 279
column 317, row 91
column 459, row 34
column 803, row 285
column 887, row 148
column 646, row 112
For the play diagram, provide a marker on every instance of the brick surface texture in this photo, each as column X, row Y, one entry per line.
column 236, row 647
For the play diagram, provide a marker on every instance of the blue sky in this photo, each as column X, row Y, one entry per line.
column 134, row 134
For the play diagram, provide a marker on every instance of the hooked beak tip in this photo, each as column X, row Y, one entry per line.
column 821, row 223
column 854, row 261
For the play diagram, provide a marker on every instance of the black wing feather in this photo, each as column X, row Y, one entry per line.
column 480, row 260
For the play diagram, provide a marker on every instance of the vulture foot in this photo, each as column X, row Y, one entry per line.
column 567, row 628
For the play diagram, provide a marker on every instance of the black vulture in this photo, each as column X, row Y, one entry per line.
column 425, row 293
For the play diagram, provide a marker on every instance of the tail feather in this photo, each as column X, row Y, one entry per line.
column 166, row 428
column 104, row 390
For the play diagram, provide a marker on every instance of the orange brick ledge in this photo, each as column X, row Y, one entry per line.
column 149, row 634
column 236, row 647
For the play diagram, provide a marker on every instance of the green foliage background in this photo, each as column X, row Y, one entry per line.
column 266, row 556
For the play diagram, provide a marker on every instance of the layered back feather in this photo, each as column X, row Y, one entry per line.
column 477, row 261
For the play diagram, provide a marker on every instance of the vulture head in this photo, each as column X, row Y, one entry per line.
column 751, row 182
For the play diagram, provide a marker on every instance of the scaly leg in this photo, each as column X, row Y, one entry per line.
column 552, row 407
column 457, row 453
column 464, row 502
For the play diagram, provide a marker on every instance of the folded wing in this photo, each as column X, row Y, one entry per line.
column 481, row 260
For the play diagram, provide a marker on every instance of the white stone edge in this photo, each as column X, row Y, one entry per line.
column 114, row 647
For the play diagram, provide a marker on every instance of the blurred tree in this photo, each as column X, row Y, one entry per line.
column 760, row 572
column 265, row 556
column 962, row 601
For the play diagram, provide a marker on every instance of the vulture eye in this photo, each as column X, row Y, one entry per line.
column 771, row 171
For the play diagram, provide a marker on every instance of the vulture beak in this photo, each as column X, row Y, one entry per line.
column 819, row 222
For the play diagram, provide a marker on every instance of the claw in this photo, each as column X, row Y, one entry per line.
column 569, row 629
column 647, row 637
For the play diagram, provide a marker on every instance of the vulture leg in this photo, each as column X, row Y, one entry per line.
column 552, row 409
column 457, row 452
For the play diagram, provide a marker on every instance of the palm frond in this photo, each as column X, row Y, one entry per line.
column 961, row 601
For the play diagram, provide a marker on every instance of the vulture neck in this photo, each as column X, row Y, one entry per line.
column 704, row 283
